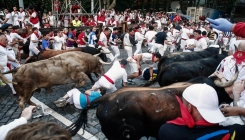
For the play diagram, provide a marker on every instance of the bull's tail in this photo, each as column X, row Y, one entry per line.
column 82, row 121
column 11, row 71
column 3, row 78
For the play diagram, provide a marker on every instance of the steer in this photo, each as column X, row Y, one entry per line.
column 184, row 71
column 70, row 67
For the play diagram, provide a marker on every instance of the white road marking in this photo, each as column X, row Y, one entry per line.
column 65, row 121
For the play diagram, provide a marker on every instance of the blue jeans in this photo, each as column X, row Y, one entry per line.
column 5, row 26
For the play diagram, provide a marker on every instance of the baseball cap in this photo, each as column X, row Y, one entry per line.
column 205, row 99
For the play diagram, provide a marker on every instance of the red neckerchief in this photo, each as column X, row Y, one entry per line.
column 186, row 118
column 239, row 56
column 122, row 66
column 2, row 45
column 199, row 38
column 36, row 34
column 14, row 31
column 152, row 58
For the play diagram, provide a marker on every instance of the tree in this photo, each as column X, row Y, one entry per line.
column 110, row 4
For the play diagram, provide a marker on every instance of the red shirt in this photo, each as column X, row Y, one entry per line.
column 80, row 37
column 101, row 18
column 92, row 23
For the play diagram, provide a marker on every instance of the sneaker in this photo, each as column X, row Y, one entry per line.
column 61, row 102
column 130, row 80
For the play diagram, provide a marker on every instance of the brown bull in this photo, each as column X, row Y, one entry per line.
column 51, row 53
column 70, row 67
column 131, row 112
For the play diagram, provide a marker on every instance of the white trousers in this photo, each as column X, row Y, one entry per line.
column 129, row 50
column 138, row 48
column 183, row 44
column 116, row 51
column 103, row 82
column 74, row 97
column 9, row 77
column 161, row 48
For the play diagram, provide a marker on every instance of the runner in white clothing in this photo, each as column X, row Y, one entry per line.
column 185, row 33
column 33, row 44
column 139, row 38
column 15, row 16
column 116, row 72
column 149, row 35
column 4, row 60
column 103, row 43
column 59, row 42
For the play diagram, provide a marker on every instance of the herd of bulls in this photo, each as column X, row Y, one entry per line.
column 128, row 113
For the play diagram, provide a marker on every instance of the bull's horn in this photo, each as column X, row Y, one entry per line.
column 220, row 50
column 228, row 83
column 4, row 79
column 105, row 52
column 211, row 76
column 102, row 62
column 96, row 55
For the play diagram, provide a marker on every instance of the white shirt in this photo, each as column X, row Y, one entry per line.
column 139, row 37
column 170, row 37
column 185, row 31
column 15, row 16
column 58, row 43
column 147, row 59
column 200, row 44
column 4, row 129
column 51, row 20
column 22, row 16
column 103, row 38
column 10, row 20
column 33, row 37
column 65, row 37
column 228, row 70
column 3, row 56
column 10, row 53
column 117, row 72
column 149, row 35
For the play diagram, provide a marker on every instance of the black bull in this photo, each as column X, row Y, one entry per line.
column 131, row 113
column 184, row 71
column 187, row 56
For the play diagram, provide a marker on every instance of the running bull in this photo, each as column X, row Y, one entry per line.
column 93, row 51
column 133, row 112
column 184, row 56
column 184, row 71
column 188, row 56
column 90, row 50
column 70, row 67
